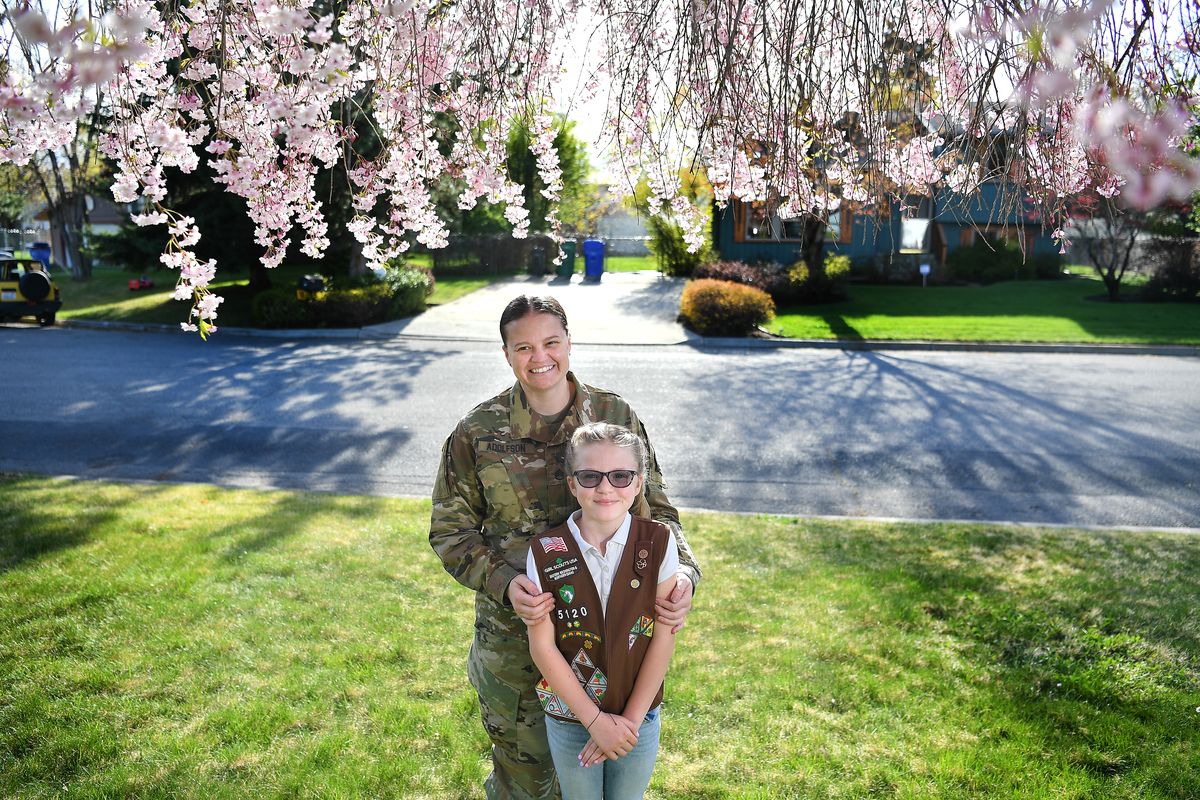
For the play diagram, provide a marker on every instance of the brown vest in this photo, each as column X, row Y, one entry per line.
column 604, row 649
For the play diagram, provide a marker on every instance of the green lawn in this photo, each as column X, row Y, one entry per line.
column 630, row 263
column 1013, row 311
column 107, row 296
column 195, row 642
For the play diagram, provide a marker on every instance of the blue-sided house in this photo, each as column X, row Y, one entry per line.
column 933, row 228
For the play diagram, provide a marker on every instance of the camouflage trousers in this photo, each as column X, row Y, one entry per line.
column 514, row 720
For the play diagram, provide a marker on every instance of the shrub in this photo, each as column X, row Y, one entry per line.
column 807, row 286
column 980, row 263
column 410, row 286
column 353, row 308
column 770, row 277
column 400, row 292
column 724, row 308
column 1176, row 269
column 279, row 308
column 736, row 271
column 666, row 242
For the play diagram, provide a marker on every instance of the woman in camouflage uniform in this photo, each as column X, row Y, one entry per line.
column 502, row 480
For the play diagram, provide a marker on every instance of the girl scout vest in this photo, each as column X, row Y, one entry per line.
column 604, row 649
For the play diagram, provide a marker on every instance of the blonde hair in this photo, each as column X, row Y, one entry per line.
column 608, row 433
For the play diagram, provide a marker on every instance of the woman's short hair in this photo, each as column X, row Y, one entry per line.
column 526, row 304
column 607, row 432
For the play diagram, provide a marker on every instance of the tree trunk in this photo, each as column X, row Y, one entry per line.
column 67, row 217
column 358, row 264
column 260, row 277
column 1112, row 284
column 812, row 246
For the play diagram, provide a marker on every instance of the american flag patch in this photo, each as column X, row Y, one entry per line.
column 552, row 543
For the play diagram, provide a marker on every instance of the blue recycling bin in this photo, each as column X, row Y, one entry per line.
column 40, row 251
column 593, row 259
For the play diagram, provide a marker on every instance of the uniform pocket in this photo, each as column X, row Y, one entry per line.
column 498, row 702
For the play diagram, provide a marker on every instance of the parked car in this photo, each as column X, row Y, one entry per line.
column 27, row 290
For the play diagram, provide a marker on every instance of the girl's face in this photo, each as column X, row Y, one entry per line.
column 605, row 502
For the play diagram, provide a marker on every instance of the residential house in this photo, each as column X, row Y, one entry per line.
column 926, row 232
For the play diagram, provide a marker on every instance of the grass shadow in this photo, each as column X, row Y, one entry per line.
column 33, row 527
column 841, row 328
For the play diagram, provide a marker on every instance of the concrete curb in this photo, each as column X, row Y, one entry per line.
column 1025, row 524
column 974, row 347
column 693, row 340
column 261, row 333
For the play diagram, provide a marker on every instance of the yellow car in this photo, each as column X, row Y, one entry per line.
column 27, row 290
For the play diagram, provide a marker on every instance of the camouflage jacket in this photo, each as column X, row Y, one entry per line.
column 502, row 479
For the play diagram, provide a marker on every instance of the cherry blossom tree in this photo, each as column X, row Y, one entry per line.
column 801, row 105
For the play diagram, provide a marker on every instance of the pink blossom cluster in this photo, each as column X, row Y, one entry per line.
column 42, row 96
column 270, row 94
column 808, row 107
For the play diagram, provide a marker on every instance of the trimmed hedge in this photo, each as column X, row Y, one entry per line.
column 980, row 263
column 400, row 292
column 724, row 308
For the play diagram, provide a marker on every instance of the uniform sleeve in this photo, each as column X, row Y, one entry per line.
column 660, row 508
column 531, row 571
column 456, row 524
column 669, row 567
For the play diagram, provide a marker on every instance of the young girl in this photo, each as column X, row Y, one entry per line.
column 601, row 657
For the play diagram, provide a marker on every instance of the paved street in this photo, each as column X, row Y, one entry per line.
column 1082, row 439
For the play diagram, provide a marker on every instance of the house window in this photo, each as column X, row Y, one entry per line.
column 833, row 226
column 761, row 225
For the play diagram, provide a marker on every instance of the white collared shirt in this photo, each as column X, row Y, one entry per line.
column 603, row 567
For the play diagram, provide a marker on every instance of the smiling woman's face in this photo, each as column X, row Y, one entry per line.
column 539, row 352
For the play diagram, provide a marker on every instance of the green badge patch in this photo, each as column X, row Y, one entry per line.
column 567, row 593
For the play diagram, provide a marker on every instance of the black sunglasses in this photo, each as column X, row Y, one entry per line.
column 617, row 478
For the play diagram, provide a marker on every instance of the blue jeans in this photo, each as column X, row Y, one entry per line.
column 623, row 779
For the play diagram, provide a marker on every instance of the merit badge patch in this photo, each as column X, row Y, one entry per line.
column 551, row 544
column 551, row 702
column 643, row 627
column 597, row 685
column 581, row 665
column 567, row 593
